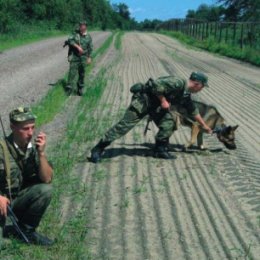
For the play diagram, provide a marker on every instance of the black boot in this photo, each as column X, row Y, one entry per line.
column 30, row 233
column 69, row 90
column 80, row 92
column 162, row 151
column 98, row 150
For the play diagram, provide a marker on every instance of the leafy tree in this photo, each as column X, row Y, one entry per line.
column 207, row 13
column 241, row 9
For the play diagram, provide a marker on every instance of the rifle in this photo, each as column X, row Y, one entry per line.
column 15, row 224
column 10, row 212
column 147, row 125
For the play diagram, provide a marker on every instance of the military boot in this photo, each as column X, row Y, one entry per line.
column 98, row 150
column 69, row 90
column 80, row 92
column 161, row 150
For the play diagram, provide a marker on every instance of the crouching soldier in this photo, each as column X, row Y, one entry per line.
column 25, row 177
column 154, row 98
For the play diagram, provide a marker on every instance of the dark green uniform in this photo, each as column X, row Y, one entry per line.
column 30, row 196
column 77, row 61
column 20, row 182
column 145, row 102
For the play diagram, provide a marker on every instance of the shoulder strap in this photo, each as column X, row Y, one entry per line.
column 7, row 165
column 13, row 153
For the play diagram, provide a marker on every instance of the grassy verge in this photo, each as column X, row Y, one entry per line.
column 28, row 35
column 53, row 102
column 118, row 40
column 247, row 54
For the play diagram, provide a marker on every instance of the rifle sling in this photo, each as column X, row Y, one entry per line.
column 7, row 166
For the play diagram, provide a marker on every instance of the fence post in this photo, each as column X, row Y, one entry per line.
column 215, row 33
column 207, row 30
column 242, row 35
column 226, row 36
column 203, row 30
column 234, row 33
column 220, row 32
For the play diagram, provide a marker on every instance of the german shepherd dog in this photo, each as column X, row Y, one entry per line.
column 212, row 117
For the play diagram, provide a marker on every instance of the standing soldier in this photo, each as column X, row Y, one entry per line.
column 25, row 177
column 80, row 50
column 154, row 99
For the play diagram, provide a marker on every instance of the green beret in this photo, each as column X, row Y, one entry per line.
column 21, row 114
column 200, row 77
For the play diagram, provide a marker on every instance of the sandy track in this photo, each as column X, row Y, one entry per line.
column 200, row 206
column 27, row 72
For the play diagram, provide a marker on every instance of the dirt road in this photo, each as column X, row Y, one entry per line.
column 200, row 206
column 28, row 72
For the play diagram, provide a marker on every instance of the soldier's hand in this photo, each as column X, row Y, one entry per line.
column 165, row 105
column 80, row 50
column 89, row 60
column 40, row 142
column 3, row 205
column 208, row 129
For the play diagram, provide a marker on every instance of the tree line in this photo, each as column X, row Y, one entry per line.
column 222, row 10
column 62, row 14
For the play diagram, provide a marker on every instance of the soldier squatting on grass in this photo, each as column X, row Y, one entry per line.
column 25, row 177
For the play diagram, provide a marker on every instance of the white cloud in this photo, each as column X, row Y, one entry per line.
column 136, row 10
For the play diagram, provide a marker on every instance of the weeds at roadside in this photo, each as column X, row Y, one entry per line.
column 118, row 40
column 245, row 54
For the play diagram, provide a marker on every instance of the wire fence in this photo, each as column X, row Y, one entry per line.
column 242, row 34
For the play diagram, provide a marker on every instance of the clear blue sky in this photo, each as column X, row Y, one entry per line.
column 161, row 9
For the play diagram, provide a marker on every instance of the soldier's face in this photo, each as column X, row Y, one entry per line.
column 83, row 28
column 195, row 86
column 23, row 132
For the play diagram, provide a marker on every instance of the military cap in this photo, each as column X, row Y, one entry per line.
column 200, row 77
column 82, row 23
column 21, row 114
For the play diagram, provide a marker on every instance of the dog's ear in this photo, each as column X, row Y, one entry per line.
column 228, row 129
column 234, row 128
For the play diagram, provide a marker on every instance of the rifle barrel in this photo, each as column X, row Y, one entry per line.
column 14, row 221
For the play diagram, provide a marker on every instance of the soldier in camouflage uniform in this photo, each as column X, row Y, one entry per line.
column 154, row 99
column 26, row 185
column 80, row 50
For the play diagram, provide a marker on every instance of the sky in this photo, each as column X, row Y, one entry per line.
column 161, row 9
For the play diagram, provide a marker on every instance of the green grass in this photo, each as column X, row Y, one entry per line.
column 246, row 54
column 27, row 35
column 55, row 99
column 118, row 40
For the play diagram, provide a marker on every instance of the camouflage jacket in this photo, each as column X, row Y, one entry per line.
column 24, row 173
column 175, row 90
column 85, row 41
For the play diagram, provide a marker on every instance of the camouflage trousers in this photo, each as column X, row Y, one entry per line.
column 30, row 204
column 138, row 109
column 77, row 72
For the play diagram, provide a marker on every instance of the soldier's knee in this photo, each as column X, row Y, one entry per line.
column 45, row 191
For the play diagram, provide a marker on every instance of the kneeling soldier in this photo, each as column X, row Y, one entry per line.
column 25, row 177
column 154, row 99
